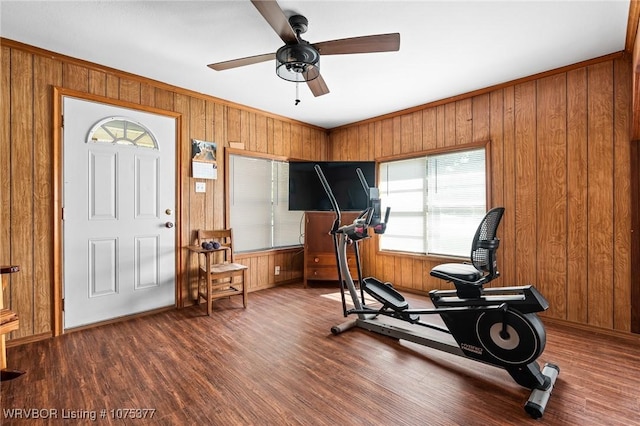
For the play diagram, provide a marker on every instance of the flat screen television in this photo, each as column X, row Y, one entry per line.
column 307, row 194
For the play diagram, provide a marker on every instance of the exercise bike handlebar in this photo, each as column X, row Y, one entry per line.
column 332, row 198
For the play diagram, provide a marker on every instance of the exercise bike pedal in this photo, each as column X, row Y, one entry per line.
column 385, row 294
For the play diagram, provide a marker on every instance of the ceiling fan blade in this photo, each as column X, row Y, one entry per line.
column 272, row 13
column 235, row 63
column 318, row 86
column 364, row 44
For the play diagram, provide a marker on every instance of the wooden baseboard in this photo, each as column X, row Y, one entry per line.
column 570, row 325
column 29, row 339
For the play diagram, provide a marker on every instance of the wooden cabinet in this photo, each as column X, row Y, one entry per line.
column 319, row 254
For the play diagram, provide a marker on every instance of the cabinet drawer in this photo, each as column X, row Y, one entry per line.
column 321, row 259
column 322, row 273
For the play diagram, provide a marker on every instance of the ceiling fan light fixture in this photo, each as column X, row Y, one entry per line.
column 297, row 62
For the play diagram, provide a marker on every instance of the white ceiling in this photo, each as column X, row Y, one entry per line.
column 446, row 47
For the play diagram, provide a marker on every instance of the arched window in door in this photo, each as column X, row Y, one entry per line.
column 122, row 131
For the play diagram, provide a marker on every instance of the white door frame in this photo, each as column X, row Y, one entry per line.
column 58, row 251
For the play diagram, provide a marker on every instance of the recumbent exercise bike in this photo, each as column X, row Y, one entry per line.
column 497, row 326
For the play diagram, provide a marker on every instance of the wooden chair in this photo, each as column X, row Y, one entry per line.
column 218, row 275
column 8, row 322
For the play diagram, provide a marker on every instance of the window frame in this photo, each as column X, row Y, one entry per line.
column 228, row 152
column 486, row 144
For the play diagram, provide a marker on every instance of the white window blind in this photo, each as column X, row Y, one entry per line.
column 436, row 202
column 258, row 197
column 286, row 224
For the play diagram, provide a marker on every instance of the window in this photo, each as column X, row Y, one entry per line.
column 437, row 202
column 122, row 131
column 259, row 204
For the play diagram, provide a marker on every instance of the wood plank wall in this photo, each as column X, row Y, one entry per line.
column 560, row 165
column 28, row 76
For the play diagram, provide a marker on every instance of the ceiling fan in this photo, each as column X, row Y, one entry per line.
column 298, row 60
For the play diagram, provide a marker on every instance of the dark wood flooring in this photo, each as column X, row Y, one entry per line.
column 276, row 363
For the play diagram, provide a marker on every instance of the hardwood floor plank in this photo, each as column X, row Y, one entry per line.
column 277, row 363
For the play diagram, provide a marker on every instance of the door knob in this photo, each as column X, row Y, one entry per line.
column 169, row 224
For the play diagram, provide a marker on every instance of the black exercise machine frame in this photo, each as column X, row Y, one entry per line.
column 469, row 302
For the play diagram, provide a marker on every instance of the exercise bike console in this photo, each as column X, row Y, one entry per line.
column 497, row 326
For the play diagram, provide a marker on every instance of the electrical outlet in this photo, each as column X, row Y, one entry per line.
column 201, row 187
column 277, row 272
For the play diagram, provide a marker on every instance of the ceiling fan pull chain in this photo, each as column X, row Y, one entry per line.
column 297, row 93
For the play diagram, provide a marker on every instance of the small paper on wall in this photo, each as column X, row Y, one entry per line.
column 203, row 159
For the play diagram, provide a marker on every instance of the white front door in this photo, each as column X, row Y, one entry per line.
column 118, row 211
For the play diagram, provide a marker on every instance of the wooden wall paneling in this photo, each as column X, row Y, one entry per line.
column 270, row 135
column 369, row 130
column 525, row 177
column 264, row 273
column 129, row 91
column 286, row 140
column 406, row 133
column 254, row 272
column 351, row 148
column 387, row 137
column 418, row 272
column 97, row 83
column 430, row 129
column 209, row 130
column 464, row 121
column 322, row 145
column 635, row 236
column 75, row 77
column 440, row 125
column 577, row 201
column 317, row 142
column 559, row 164
column 22, row 163
column 147, row 95
column 481, row 118
column 509, row 219
column 5, row 164
column 346, row 143
column 417, row 131
column 253, row 132
column 219, row 196
column 198, row 208
column 47, row 72
column 164, row 99
column 362, row 145
column 187, row 282
column 377, row 139
column 337, row 142
column 622, row 201
column 262, row 137
column 113, row 86
column 450, row 122
column 600, row 194
column 278, row 148
column 404, row 275
column 296, row 140
column 495, row 134
column 341, row 150
column 246, row 131
column 396, row 140
column 307, row 143
column 551, row 191
column 233, row 125
column 279, row 260
column 271, row 268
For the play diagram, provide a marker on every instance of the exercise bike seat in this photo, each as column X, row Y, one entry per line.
column 385, row 294
column 467, row 279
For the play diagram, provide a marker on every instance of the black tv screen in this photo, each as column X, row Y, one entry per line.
column 307, row 194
